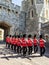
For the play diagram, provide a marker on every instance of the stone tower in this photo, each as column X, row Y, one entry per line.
column 31, row 17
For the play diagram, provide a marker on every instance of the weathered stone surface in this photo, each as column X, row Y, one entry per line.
column 9, row 14
column 31, row 22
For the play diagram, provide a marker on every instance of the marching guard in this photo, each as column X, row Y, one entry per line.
column 42, row 45
column 35, row 42
column 30, row 44
column 24, row 45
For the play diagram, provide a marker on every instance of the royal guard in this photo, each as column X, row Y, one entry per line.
column 18, row 45
column 35, row 42
column 15, row 43
column 24, row 45
column 12, row 42
column 30, row 44
column 42, row 45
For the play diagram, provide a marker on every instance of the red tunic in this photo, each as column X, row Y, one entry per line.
column 15, row 41
column 12, row 42
column 35, row 41
column 29, row 43
column 7, row 39
column 18, row 42
column 24, row 43
column 41, row 41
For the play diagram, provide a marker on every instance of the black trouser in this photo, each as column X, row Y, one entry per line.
column 15, row 48
column 12, row 46
column 24, row 51
column 7, row 44
column 18, row 49
column 29, row 50
column 42, row 50
column 35, row 48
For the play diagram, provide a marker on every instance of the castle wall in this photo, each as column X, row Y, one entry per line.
column 9, row 13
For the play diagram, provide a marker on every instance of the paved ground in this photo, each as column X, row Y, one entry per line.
column 7, row 57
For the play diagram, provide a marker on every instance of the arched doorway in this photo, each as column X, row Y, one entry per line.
column 4, row 30
column 1, row 34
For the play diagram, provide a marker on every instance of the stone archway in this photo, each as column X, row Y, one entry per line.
column 6, row 27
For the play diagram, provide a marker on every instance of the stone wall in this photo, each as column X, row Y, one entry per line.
column 31, row 22
column 9, row 13
column 22, row 22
